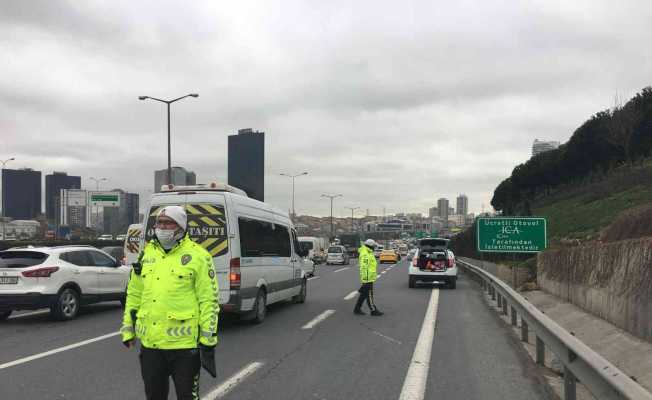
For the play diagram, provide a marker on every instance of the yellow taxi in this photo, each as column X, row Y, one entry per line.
column 388, row 256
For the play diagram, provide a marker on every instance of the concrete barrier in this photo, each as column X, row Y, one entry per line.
column 610, row 280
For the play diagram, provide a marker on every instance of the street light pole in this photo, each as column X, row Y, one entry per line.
column 168, row 102
column 97, row 189
column 293, row 177
column 352, row 210
column 331, row 196
column 2, row 213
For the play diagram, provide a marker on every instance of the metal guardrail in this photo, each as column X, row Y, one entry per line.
column 582, row 364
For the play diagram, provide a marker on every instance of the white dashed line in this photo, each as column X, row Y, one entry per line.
column 386, row 337
column 29, row 314
column 341, row 269
column 414, row 386
column 233, row 381
column 321, row 317
column 351, row 295
column 57, row 350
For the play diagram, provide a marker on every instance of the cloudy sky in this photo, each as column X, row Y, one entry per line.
column 392, row 104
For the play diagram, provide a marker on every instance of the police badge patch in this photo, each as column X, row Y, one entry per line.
column 186, row 259
column 211, row 273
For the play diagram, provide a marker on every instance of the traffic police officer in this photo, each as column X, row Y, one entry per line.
column 368, row 276
column 172, row 307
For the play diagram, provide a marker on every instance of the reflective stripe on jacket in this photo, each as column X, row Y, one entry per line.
column 367, row 262
column 175, row 298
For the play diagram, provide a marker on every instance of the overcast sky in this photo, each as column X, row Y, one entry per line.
column 392, row 104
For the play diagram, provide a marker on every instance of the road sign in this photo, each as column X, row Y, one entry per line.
column 511, row 235
column 105, row 199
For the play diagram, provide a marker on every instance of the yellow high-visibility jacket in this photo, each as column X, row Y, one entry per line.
column 175, row 298
column 367, row 262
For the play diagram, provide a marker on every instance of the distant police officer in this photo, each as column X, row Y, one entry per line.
column 368, row 276
column 172, row 307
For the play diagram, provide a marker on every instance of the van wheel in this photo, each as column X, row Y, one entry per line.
column 260, row 307
column 412, row 283
column 301, row 297
column 66, row 306
column 5, row 314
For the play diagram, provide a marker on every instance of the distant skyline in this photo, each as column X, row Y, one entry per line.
column 392, row 105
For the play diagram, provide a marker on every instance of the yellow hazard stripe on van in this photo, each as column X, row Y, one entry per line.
column 190, row 209
column 209, row 221
column 210, row 209
column 217, row 249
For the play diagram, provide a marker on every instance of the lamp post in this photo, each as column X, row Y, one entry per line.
column 331, row 196
column 97, row 189
column 352, row 210
column 293, row 177
column 168, row 102
column 2, row 213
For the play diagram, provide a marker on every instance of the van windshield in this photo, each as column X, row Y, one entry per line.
column 307, row 245
column 334, row 249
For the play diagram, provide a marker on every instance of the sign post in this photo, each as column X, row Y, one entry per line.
column 511, row 235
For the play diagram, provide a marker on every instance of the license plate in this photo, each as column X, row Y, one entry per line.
column 8, row 280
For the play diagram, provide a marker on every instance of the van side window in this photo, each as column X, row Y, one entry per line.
column 263, row 239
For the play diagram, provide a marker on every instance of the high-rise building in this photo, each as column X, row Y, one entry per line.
column 540, row 146
column 53, row 185
column 180, row 176
column 433, row 212
column 247, row 162
column 462, row 205
column 117, row 219
column 21, row 193
column 444, row 209
column 72, row 208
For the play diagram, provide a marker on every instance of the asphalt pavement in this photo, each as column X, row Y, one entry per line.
column 316, row 350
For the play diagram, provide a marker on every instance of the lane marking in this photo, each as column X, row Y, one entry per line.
column 341, row 269
column 414, row 386
column 321, row 317
column 57, row 350
column 386, row 337
column 233, row 381
column 351, row 295
column 314, row 277
column 29, row 314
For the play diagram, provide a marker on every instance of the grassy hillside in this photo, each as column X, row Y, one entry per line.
column 582, row 212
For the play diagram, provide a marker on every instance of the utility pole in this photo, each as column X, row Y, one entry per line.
column 331, row 196
column 294, row 214
column 97, row 209
column 168, row 102
column 2, row 214
column 352, row 210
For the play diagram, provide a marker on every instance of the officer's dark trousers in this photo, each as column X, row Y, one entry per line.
column 366, row 293
column 157, row 366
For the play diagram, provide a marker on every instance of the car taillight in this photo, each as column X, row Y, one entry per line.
column 40, row 273
column 450, row 263
column 124, row 260
column 234, row 273
column 414, row 261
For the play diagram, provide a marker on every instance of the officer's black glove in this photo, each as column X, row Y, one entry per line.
column 137, row 266
column 128, row 343
column 207, row 355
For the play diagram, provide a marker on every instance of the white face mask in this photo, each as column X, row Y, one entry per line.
column 167, row 237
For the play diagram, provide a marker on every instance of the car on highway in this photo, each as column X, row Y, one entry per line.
column 337, row 255
column 403, row 250
column 254, row 246
column 61, row 278
column 433, row 262
column 388, row 256
column 379, row 249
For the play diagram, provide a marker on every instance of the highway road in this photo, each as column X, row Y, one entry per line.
column 317, row 350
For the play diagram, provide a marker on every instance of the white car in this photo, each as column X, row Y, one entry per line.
column 433, row 262
column 379, row 249
column 337, row 255
column 61, row 278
